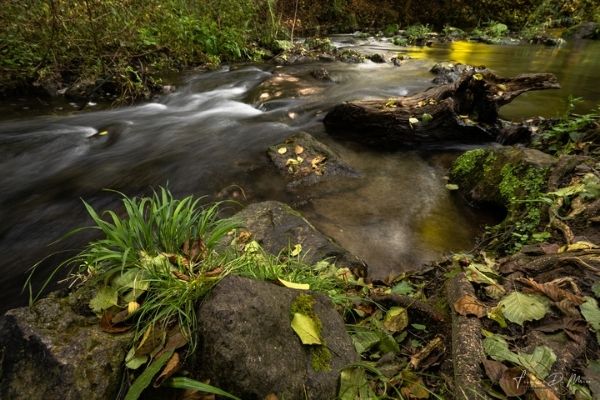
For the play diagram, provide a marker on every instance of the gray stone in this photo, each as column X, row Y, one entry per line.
column 276, row 227
column 248, row 348
column 50, row 352
column 306, row 161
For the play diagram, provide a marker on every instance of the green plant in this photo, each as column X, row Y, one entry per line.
column 571, row 130
column 417, row 32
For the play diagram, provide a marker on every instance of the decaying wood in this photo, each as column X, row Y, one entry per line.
column 467, row 350
column 463, row 111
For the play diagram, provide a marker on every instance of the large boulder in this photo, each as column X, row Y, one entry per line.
column 50, row 352
column 276, row 227
column 247, row 345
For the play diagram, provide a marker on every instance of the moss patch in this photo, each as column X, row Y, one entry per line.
column 320, row 356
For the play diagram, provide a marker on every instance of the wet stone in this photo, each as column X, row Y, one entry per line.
column 248, row 348
column 305, row 161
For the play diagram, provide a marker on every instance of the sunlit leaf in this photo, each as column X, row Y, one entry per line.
column 495, row 314
column 293, row 285
column 426, row 118
column 282, row 150
column 518, row 307
column 478, row 77
column 396, row 319
column 470, row 305
column 296, row 250
column 298, row 149
column 451, row 186
column 413, row 120
column 306, row 329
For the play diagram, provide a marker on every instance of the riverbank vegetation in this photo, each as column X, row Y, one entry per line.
column 120, row 49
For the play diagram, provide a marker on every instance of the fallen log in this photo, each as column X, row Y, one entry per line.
column 464, row 111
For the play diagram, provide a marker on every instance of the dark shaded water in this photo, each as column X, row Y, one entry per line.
column 209, row 138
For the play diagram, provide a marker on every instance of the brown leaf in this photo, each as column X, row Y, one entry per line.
column 170, row 368
column 298, row 149
column 514, row 382
column 575, row 328
column 552, row 290
column 568, row 308
column 189, row 394
column 153, row 339
column 119, row 317
column 271, row 396
column 175, row 340
column 107, row 325
column 494, row 370
column 215, row 272
column 470, row 305
column 429, row 354
column 541, row 391
column 180, row 275
column 194, row 249
column 550, row 248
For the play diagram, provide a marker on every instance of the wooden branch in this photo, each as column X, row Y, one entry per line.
column 463, row 111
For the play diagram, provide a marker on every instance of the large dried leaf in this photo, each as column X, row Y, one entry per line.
column 470, row 305
column 173, row 365
column 541, row 391
column 494, row 370
column 108, row 325
column 518, row 307
column 396, row 319
column 194, row 249
column 306, row 329
column 552, row 291
column 514, row 382
column 575, row 328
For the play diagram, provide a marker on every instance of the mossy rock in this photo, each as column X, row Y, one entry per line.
column 510, row 178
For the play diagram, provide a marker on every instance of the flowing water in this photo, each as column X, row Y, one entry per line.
column 209, row 138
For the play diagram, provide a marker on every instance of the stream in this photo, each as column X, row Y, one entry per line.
column 209, row 138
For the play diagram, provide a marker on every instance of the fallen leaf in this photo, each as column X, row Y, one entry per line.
column 194, row 249
column 306, row 329
column 363, row 340
column 317, row 160
column 494, row 369
column 396, row 319
column 296, row 250
column 495, row 314
column 282, row 150
column 107, row 325
column 271, row 396
column 173, row 365
column 539, row 362
column 214, row 272
column 403, row 288
column 133, row 362
column 575, row 328
column 298, row 149
column 180, row 275
column 494, row 291
column 293, row 285
column 541, row 391
column 552, row 291
column 142, row 381
column 413, row 120
column 582, row 245
column 152, row 339
column 591, row 312
column 132, row 307
column 514, row 382
column 518, row 307
column 478, row 77
column 451, row 186
column 470, row 305
column 105, row 298
column 413, row 387
column 354, row 385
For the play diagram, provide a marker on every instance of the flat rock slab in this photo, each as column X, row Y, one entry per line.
column 49, row 352
column 277, row 227
column 247, row 345
column 305, row 161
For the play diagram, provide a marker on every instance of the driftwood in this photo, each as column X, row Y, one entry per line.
column 464, row 111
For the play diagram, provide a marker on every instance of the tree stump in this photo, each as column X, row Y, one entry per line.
column 464, row 111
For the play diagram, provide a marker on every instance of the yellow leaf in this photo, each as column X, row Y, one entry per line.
column 103, row 133
column 296, row 250
column 132, row 307
column 413, row 120
column 298, row 149
column 282, row 150
column 293, row 285
column 396, row 319
column 478, row 77
column 581, row 245
column 306, row 329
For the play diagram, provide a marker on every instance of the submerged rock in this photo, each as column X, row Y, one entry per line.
column 305, row 161
column 276, row 227
column 51, row 352
column 377, row 58
column 586, row 30
column 247, row 345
